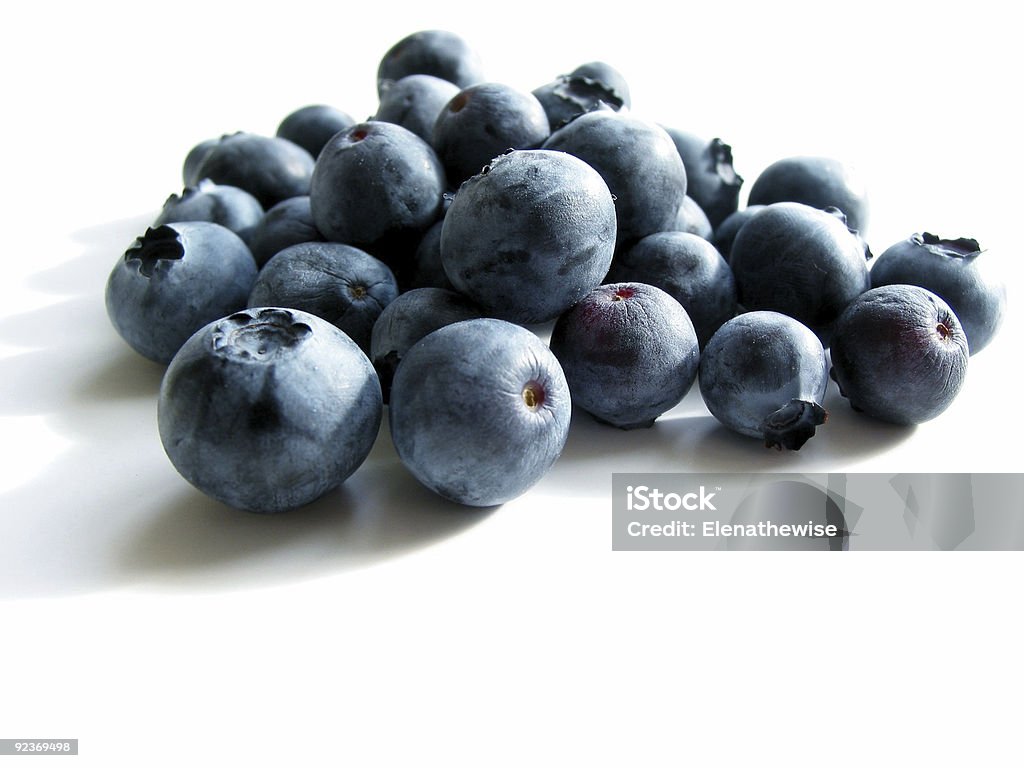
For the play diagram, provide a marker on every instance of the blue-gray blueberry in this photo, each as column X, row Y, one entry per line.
column 764, row 375
column 268, row 409
column 481, row 122
column 222, row 204
column 175, row 279
column 479, row 411
column 801, row 261
column 269, row 168
column 340, row 283
column 311, row 127
column 821, row 182
column 376, row 185
column 529, row 236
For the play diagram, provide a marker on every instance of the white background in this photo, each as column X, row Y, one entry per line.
column 383, row 627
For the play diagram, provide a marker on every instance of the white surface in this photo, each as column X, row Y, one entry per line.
column 382, row 626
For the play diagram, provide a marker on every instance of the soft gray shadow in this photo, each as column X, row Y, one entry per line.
column 195, row 541
column 689, row 439
column 103, row 508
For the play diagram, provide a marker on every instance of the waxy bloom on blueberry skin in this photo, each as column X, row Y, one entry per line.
column 530, row 236
column 268, row 409
column 764, row 374
column 899, row 354
column 629, row 352
column 479, row 411
column 175, row 279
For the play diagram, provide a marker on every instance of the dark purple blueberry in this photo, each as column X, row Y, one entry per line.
column 764, row 375
column 801, row 261
column 954, row 270
column 609, row 77
column 427, row 270
column 376, row 184
column 290, row 222
column 692, row 219
column 629, row 353
column 568, row 97
column 638, row 162
column 820, row 182
column 408, row 319
column 481, row 122
column 711, row 179
column 899, row 354
column 725, row 232
column 689, row 269
column 222, row 204
column 175, row 279
column 342, row 284
column 479, row 411
column 311, row 127
column 530, row 236
column 268, row 409
column 431, row 52
column 269, row 168
column 195, row 157
column 414, row 102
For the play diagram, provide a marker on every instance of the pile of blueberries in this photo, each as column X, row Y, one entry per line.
column 303, row 281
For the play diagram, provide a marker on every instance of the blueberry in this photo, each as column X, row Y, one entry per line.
column 376, row 184
column 608, row 76
column 342, row 284
column 569, row 96
column 726, row 232
column 290, row 222
column 529, row 237
column 222, row 204
column 312, row 126
column 268, row 409
column 692, row 219
column 194, row 158
column 821, row 182
column 800, row 261
column 638, row 162
column 414, row 102
column 175, row 279
column 479, row 411
column 431, row 52
column 711, row 179
column 764, row 375
column 899, row 354
column 481, row 122
column 269, row 168
column 629, row 353
column 408, row 319
column 427, row 270
column 954, row 270
column 689, row 269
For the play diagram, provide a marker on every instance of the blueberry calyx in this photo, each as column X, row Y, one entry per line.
column 793, row 424
column 533, row 395
column 721, row 154
column 260, row 335
column 966, row 248
column 158, row 244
